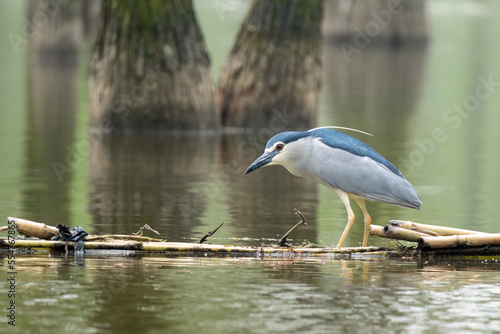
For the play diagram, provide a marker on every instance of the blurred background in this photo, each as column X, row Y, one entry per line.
column 432, row 107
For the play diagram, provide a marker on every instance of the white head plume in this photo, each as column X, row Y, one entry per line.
column 341, row 128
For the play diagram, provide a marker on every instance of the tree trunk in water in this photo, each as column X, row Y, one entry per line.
column 55, row 35
column 150, row 69
column 360, row 23
column 273, row 74
column 56, row 30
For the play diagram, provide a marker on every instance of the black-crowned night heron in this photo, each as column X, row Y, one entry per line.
column 343, row 163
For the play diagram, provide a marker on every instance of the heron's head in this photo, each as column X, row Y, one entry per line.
column 279, row 149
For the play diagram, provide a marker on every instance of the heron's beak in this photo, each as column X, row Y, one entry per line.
column 262, row 161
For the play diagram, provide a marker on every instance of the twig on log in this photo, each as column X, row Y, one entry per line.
column 210, row 233
column 283, row 242
column 260, row 251
column 141, row 230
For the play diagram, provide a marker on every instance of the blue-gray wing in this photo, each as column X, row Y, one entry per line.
column 363, row 176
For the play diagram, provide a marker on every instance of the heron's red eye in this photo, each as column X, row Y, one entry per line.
column 279, row 147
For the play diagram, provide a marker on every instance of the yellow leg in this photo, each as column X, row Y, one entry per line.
column 368, row 221
column 350, row 216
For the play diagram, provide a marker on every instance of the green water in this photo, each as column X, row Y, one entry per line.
column 434, row 113
column 156, row 294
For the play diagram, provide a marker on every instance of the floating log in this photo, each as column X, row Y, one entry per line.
column 111, row 237
column 440, row 240
column 431, row 229
column 460, row 241
column 180, row 247
column 394, row 232
column 475, row 243
column 34, row 229
column 141, row 243
column 42, row 231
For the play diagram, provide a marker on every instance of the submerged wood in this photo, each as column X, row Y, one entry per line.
column 431, row 229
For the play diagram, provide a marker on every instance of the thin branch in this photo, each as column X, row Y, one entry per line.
column 141, row 230
column 260, row 251
column 210, row 233
column 283, row 242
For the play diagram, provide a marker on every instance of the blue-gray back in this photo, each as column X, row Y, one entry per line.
column 347, row 143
